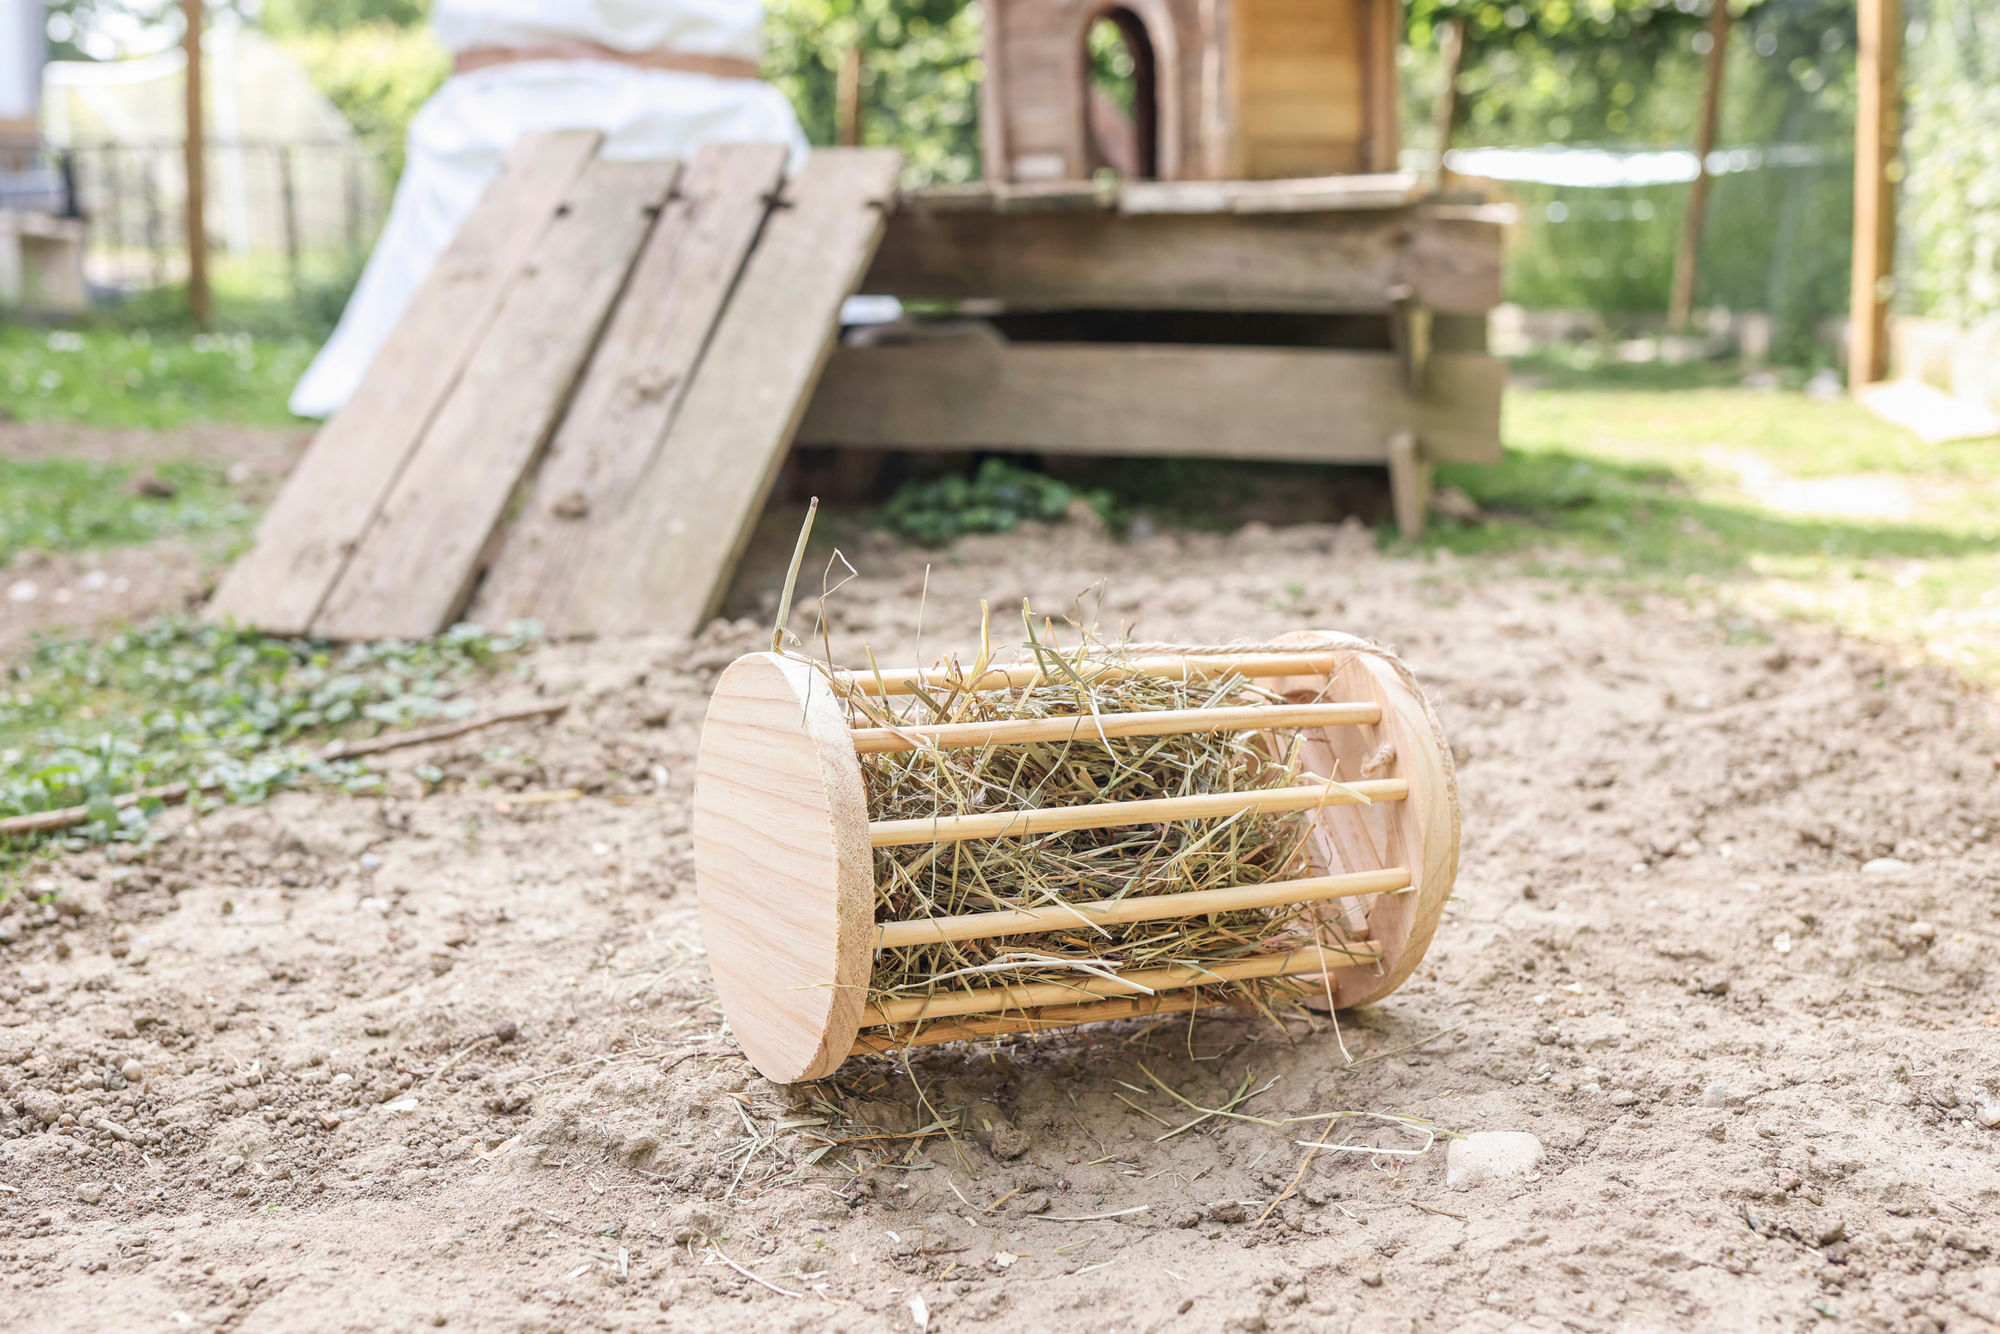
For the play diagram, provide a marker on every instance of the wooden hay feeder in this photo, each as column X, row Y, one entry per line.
column 788, row 852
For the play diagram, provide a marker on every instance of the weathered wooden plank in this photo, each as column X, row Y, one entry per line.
column 1300, row 404
column 633, row 387
column 1317, row 194
column 1323, row 261
column 677, row 543
column 337, row 488
column 413, row 570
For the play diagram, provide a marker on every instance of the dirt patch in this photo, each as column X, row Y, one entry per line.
column 89, row 591
column 262, row 451
column 337, row 1063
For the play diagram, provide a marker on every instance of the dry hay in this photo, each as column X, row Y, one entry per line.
column 951, row 878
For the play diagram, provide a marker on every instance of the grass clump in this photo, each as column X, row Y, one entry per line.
column 998, row 498
column 112, row 376
column 62, row 504
column 1093, row 865
column 83, row 722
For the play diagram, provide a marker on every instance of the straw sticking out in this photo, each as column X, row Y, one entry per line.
column 1087, row 727
column 1311, row 959
column 1112, row 814
column 1153, row 908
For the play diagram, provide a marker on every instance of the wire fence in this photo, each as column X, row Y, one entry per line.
column 284, row 219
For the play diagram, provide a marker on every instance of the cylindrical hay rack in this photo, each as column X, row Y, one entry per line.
column 886, row 859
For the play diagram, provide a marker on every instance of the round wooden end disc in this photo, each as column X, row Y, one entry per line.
column 1420, row 833
column 783, row 869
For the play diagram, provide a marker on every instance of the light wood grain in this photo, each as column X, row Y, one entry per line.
column 783, row 872
column 1087, row 727
column 634, row 386
column 680, row 538
column 1293, row 404
column 1420, row 833
column 335, row 492
column 415, row 567
column 1145, row 908
column 877, row 1043
column 1332, row 261
column 1032, row 995
column 1013, row 676
column 1112, row 814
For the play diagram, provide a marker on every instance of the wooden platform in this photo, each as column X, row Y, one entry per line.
column 581, row 413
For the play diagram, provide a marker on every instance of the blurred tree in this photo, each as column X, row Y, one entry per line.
column 920, row 73
column 1952, row 199
column 286, row 16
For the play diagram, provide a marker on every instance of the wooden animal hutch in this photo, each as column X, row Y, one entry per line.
column 1258, row 282
column 1222, row 89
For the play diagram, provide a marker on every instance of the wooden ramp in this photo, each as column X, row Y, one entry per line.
column 578, row 417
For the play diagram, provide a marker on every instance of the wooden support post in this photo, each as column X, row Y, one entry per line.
column 847, row 99
column 1451, row 54
column 1409, row 483
column 1681, row 303
column 1876, row 122
column 199, row 303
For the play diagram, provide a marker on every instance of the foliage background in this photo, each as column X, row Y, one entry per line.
column 1615, row 73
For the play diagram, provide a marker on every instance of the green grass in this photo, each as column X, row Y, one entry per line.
column 59, row 505
column 144, row 363
column 1775, row 501
column 84, row 721
column 107, row 375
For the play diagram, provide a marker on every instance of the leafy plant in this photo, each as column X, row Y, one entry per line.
column 998, row 498
column 84, row 721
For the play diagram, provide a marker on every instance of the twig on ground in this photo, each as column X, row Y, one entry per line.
column 1090, row 1218
column 173, row 794
column 1433, row 1209
column 764, row 1282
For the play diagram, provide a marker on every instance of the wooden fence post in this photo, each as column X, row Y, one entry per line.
column 1686, row 263
column 1876, row 121
column 199, row 303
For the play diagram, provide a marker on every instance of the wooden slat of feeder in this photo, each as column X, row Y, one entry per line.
column 987, row 1000
column 1147, row 908
column 1064, row 1016
column 1110, row 814
column 1178, row 668
column 1086, row 726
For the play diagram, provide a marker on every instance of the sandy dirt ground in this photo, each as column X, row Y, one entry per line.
column 1724, row 942
column 80, row 592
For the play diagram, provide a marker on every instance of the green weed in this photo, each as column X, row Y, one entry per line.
column 83, row 721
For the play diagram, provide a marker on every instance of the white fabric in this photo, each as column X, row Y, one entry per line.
column 459, row 138
column 698, row 27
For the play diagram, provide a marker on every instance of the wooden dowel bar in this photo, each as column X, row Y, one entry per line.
column 1110, row 814
column 1035, row 995
column 1064, row 1016
column 1146, row 908
column 1191, row 667
column 1090, row 727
